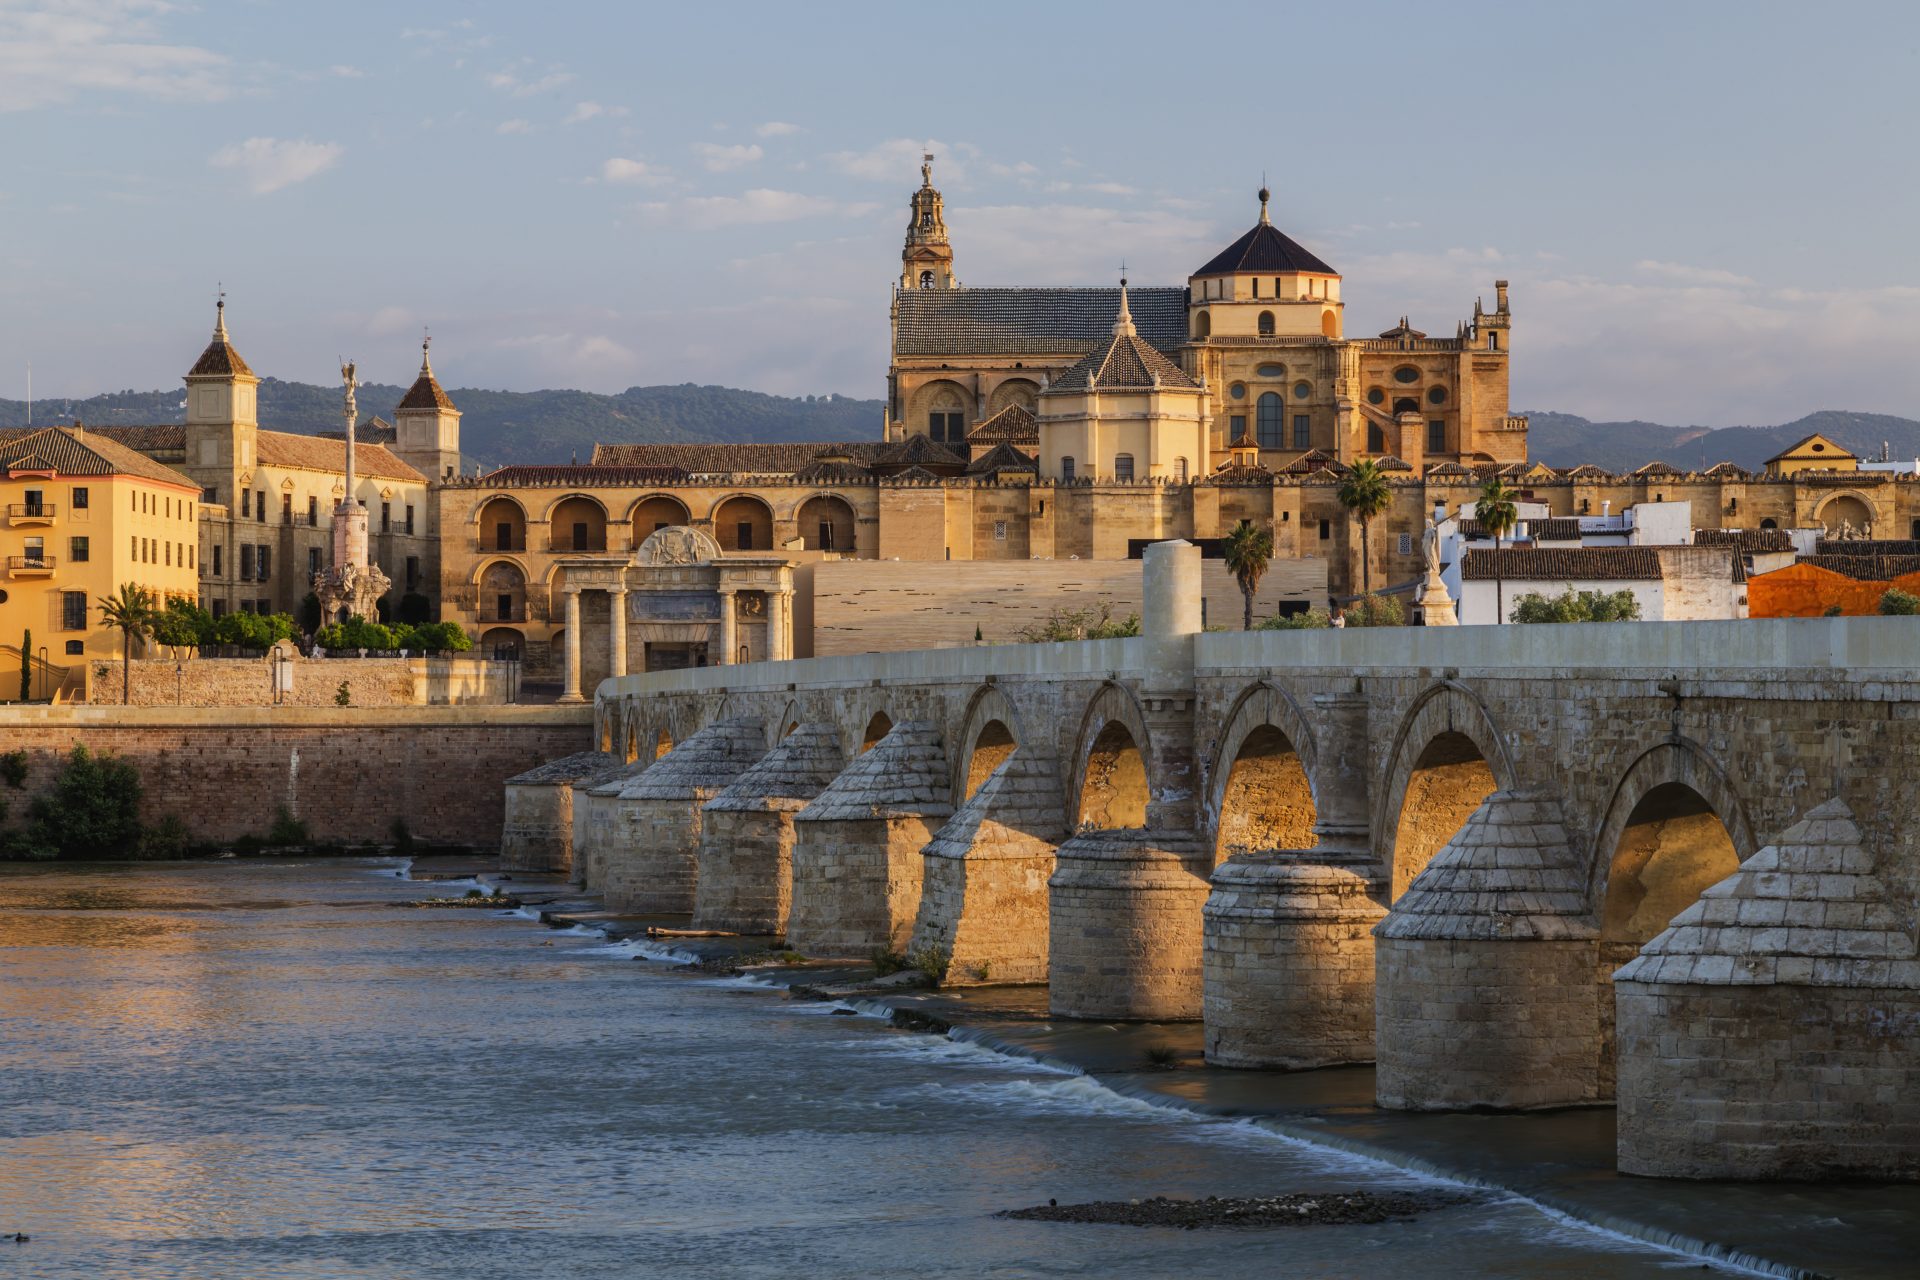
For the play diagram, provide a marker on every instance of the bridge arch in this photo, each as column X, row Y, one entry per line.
column 1447, row 757
column 1111, row 784
column 1260, row 790
column 990, row 732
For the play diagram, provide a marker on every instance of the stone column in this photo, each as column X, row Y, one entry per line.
column 782, row 646
column 728, row 630
column 571, row 691
column 617, row 616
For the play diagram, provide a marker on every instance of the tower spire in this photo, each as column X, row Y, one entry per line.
column 1123, row 323
column 1265, row 195
column 220, row 317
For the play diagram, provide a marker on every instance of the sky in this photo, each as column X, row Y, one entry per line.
column 1706, row 210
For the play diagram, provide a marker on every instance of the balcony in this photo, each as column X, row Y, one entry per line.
column 29, row 566
column 20, row 514
column 486, row 545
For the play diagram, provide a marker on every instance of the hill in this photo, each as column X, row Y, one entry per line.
column 501, row 427
column 1563, row 440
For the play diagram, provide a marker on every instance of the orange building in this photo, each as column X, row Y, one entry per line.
column 1851, row 584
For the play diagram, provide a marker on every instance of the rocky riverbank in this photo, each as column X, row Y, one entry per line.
column 1306, row 1209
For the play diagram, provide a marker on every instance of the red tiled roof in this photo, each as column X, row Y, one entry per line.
column 312, row 453
column 1569, row 564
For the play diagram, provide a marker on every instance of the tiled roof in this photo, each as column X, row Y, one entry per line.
column 1063, row 323
column 1448, row 469
column 425, row 393
column 1311, row 461
column 1236, row 472
column 1002, row 457
column 1862, row 546
column 1387, row 462
column 1656, row 468
column 73, row 451
column 1554, row 529
column 914, row 475
column 579, row 477
column 1570, row 564
column 1125, row 362
column 782, row 458
column 219, row 360
column 1728, row 471
column 1744, row 539
column 1865, row 568
column 375, row 430
column 1013, row 424
column 920, row 450
column 1265, row 249
column 824, row 472
column 1587, row 471
column 311, row 453
column 165, row 438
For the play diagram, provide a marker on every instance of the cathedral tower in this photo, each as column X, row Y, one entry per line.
column 427, row 426
column 927, row 260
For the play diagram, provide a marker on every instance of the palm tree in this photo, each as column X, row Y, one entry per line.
column 133, row 614
column 1247, row 548
column 1364, row 493
column 1498, row 516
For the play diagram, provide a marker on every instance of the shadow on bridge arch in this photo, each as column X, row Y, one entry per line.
column 1675, row 826
column 1260, row 794
column 1110, row 788
column 989, row 735
column 1446, row 759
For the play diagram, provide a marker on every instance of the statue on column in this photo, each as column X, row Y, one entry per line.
column 1436, row 605
column 352, row 585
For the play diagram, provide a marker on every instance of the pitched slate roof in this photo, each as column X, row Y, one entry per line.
column 1861, row 546
column 425, row 393
column 74, row 451
column 703, row 764
column 1126, row 361
column 1568, row 564
column 566, row 770
column 1507, row 873
column 920, row 450
column 780, row 458
column 1062, row 323
column 1265, row 250
column 1744, row 539
column 788, row 777
column 1554, row 529
column 1002, row 457
column 902, row 775
column 312, row 453
column 1013, row 424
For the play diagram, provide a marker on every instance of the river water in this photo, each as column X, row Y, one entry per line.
column 272, row 1070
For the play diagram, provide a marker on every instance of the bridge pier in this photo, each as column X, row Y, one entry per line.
column 652, row 864
column 595, row 802
column 1771, row 1030
column 537, row 831
column 985, row 893
column 746, row 835
column 1125, row 926
column 857, row 869
column 1486, row 993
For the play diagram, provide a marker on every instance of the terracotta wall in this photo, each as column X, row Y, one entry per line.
column 1804, row 591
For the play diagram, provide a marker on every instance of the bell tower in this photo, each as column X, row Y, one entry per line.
column 427, row 426
column 222, row 415
column 927, row 260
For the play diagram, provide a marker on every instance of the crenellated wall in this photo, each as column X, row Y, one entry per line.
column 1427, row 847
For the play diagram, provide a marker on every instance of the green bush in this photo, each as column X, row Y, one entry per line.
column 13, row 769
column 92, row 810
column 286, row 829
column 253, row 630
column 183, row 625
column 886, row 961
column 1311, row 620
column 1376, row 611
column 343, row 696
column 166, row 838
column 1089, row 623
column 932, row 960
column 1899, row 604
column 355, row 633
column 1577, row 606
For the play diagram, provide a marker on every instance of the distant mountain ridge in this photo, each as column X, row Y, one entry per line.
column 503, row 427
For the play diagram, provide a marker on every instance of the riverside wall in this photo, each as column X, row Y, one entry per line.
column 347, row 772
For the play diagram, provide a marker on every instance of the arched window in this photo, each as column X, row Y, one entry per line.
column 1266, row 422
column 1266, row 324
column 1123, row 466
column 1180, row 470
column 1769, row 523
column 926, row 279
column 1066, row 469
column 1202, row 324
column 1405, row 404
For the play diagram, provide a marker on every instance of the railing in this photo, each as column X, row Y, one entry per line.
column 31, row 564
column 493, row 544
column 30, row 510
column 566, row 545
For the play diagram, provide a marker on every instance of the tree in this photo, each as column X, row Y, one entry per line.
column 1577, row 606
column 131, row 612
column 1376, row 611
column 1248, row 547
column 1898, row 603
column 1497, row 515
column 1364, row 493
column 26, row 666
column 92, row 810
column 1090, row 623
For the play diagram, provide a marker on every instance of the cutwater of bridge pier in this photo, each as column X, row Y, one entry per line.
column 1672, row 865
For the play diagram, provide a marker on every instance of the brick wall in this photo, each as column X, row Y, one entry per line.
column 346, row 772
column 248, row 682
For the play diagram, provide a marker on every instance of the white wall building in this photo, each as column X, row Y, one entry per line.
column 1672, row 583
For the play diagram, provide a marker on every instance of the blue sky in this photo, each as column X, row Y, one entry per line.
column 1706, row 210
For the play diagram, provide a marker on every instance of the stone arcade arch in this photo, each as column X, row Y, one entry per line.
column 826, row 523
column 743, row 522
column 577, row 522
column 655, row 512
column 1261, row 792
column 500, row 592
column 1835, row 513
column 1110, row 789
column 500, row 524
column 1446, row 760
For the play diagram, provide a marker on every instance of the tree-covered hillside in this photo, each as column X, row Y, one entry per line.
column 1563, row 440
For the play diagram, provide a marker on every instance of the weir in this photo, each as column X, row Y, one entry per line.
column 1432, row 849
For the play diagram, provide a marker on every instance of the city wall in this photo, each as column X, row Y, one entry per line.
column 248, row 682
column 348, row 773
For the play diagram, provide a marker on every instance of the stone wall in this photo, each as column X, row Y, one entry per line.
column 248, row 682
column 348, row 773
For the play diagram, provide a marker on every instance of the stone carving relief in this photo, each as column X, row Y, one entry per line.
column 677, row 545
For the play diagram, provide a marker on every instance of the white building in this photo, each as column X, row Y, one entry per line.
column 1671, row 583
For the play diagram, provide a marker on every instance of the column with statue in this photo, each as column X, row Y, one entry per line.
column 1436, row 605
column 351, row 586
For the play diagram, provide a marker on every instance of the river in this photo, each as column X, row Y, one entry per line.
column 255, row 1069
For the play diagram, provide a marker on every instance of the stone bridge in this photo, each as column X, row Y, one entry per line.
column 1515, row 867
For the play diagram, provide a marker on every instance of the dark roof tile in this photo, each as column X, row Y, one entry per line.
column 1569, row 564
column 1061, row 323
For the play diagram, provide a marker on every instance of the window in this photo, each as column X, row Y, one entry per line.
column 743, row 534
column 1406, row 373
column 1238, row 391
column 36, row 502
column 1436, row 435
column 260, row 507
column 1303, row 431
column 190, row 557
column 1272, row 371
column 1267, row 421
column 73, row 611
column 313, row 510
column 1376, row 439
column 1266, row 324
column 1237, row 428
column 313, row 561
column 579, row 533
column 76, row 647
column 503, row 536
column 286, row 508
column 246, row 502
column 1302, row 390
column 216, row 559
column 1066, row 469
column 1376, row 396
column 1180, row 470
column 926, row 279
column 1436, row 395
column 264, row 563
column 135, row 552
column 503, row 607
column 409, row 525
column 1493, row 341
column 210, row 494
column 1123, row 466
column 1405, row 404
column 947, row 426
column 386, row 522
column 166, row 554
column 79, row 550
column 999, row 530
column 1256, row 286
column 1326, row 530
column 80, row 498
column 220, row 608
column 1404, row 544
column 36, row 550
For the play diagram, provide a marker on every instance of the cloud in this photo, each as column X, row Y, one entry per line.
column 511, row 83
column 624, row 172
column 751, row 208
column 269, row 164
column 584, row 111
column 719, row 159
column 344, row 72
column 777, row 129
column 1078, row 244
column 56, row 53
column 1680, row 273
column 515, row 126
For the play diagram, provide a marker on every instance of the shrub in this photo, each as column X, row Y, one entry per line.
column 1832, row 611
column 932, row 960
column 13, row 769
column 1577, row 606
column 1089, row 623
column 92, row 810
column 1376, row 611
column 1311, row 620
column 183, row 625
column 343, row 696
column 355, row 633
column 166, row 838
column 286, row 829
column 1898, row 603
column 886, row 961
column 446, row 637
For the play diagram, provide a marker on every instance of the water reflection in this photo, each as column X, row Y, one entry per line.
column 227, row 1072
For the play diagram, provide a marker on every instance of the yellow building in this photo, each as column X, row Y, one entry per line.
column 84, row 516
column 1815, row 453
